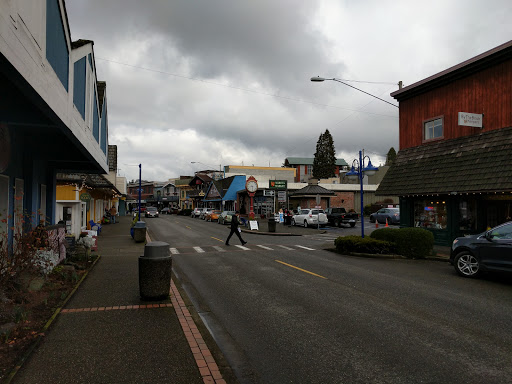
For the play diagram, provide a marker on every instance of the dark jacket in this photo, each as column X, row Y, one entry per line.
column 234, row 222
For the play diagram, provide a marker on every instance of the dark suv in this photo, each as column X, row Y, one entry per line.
column 488, row 251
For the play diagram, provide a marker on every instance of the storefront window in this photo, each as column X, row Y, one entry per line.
column 467, row 215
column 430, row 214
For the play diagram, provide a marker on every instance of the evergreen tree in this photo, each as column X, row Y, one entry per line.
column 391, row 156
column 324, row 164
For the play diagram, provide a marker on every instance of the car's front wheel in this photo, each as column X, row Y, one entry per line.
column 293, row 221
column 466, row 264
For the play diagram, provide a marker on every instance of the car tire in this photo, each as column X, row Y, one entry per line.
column 293, row 221
column 305, row 223
column 352, row 225
column 372, row 220
column 466, row 264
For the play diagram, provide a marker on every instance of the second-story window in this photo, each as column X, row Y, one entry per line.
column 433, row 129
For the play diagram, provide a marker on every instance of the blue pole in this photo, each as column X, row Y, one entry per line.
column 361, row 183
column 140, row 187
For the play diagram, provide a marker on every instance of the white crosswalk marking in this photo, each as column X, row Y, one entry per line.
column 199, row 249
column 309, row 249
column 285, row 247
column 220, row 249
column 267, row 248
column 174, row 251
column 242, row 247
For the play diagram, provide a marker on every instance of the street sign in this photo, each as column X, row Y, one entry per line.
column 268, row 192
column 281, row 196
column 278, row 184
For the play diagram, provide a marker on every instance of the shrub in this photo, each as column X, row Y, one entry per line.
column 349, row 244
column 410, row 242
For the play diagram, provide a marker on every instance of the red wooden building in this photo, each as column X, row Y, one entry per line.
column 453, row 172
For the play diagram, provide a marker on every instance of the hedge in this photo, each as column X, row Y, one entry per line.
column 413, row 243
column 349, row 244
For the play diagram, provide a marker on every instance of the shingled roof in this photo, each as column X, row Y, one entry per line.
column 469, row 164
column 312, row 190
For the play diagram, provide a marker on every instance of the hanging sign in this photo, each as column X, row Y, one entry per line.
column 471, row 119
column 85, row 197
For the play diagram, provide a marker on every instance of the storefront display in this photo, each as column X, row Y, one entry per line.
column 430, row 214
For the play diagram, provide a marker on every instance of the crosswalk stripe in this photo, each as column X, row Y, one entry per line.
column 285, row 247
column 220, row 249
column 267, row 248
column 199, row 249
column 309, row 249
column 242, row 247
column 174, row 251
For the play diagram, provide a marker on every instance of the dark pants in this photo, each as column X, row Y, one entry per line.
column 235, row 231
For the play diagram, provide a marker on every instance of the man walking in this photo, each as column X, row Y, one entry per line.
column 234, row 229
column 113, row 213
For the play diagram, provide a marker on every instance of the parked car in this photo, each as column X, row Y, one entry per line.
column 166, row 210
column 225, row 217
column 488, row 251
column 151, row 212
column 310, row 217
column 196, row 212
column 391, row 214
column 203, row 213
column 213, row 215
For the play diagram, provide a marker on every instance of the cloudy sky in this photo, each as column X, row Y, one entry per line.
column 228, row 82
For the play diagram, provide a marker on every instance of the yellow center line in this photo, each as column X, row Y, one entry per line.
column 186, row 226
column 300, row 269
column 217, row 239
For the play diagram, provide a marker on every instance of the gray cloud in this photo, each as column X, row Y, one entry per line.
column 227, row 82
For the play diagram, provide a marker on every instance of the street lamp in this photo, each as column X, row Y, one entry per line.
column 140, row 184
column 318, row 79
column 358, row 170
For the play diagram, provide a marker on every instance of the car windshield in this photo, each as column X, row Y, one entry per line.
column 151, row 209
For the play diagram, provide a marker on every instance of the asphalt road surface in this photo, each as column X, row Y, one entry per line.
column 285, row 309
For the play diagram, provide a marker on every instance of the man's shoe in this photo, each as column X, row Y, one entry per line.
column 227, row 243
column 245, row 242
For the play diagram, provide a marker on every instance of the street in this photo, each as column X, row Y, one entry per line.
column 283, row 309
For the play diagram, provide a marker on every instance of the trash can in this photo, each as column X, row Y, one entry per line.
column 139, row 232
column 155, row 268
column 287, row 220
column 271, row 224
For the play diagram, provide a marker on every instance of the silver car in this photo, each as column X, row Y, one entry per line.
column 310, row 217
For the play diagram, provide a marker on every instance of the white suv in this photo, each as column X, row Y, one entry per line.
column 310, row 217
column 196, row 212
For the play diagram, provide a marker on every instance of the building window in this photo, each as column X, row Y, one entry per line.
column 433, row 129
column 430, row 214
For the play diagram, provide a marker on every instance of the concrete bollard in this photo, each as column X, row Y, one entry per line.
column 139, row 232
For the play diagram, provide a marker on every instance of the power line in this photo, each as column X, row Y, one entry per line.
column 250, row 90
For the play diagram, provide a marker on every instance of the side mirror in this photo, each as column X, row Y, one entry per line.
column 488, row 235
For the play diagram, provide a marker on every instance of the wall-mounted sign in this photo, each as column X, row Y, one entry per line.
column 471, row 119
column 268, row 192
column 85, row 197
column 281, row 196
column 277, row 184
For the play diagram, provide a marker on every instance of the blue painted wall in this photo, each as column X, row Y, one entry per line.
column 56, row 46
column 95, row 118
column 79, row 85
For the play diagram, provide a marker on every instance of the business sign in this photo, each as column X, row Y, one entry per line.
column 268, row 192
column 85, row 197
column 471, row 119
column 277, row 184
column 281, row 196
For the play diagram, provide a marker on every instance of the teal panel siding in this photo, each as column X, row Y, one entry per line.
column 57, row 52
column 79, row 84
column 95, row 118
column 103, row 144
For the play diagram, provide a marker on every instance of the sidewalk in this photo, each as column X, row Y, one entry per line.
column 107, row 334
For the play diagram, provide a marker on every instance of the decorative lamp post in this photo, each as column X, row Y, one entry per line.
column 140, row 187
column 358, row 170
